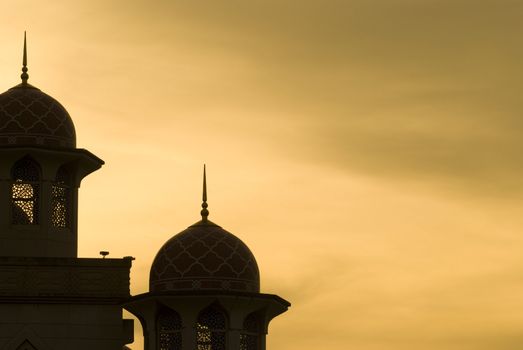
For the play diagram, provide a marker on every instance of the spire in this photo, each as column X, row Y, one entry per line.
column 204, row 212
column 24, row 75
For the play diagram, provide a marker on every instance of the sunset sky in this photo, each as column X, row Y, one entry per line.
column 369, row 152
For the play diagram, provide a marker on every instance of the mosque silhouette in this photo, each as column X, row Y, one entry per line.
column 204, row 285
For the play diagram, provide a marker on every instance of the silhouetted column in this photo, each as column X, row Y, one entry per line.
column 5, row 202
column 189, row 329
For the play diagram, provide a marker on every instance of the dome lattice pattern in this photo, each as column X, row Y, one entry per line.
column 204, row 257
column 30, row 117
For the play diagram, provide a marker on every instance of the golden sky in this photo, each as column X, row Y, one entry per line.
column 367, row 151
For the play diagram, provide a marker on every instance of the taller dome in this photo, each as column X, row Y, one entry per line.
column 29, row 117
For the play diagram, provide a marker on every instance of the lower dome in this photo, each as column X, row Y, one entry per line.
column 204, row 257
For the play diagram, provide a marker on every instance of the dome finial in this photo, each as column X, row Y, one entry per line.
column 24, row 75
column 204, row 212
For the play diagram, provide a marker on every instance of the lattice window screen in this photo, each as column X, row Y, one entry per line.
column 250, row 335
column 25, row 192
column 61, row 202
column 169, row 330
column 210, row 329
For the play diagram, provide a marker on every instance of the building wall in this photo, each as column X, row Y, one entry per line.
column 63, row 303
column 64, row 326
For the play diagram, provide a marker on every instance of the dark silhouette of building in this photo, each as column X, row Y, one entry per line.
column 50, row 298
column 204, row 282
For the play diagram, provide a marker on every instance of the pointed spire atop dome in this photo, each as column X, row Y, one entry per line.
column 24, row 75
column 204, row 212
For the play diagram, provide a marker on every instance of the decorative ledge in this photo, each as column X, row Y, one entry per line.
column 64, row 277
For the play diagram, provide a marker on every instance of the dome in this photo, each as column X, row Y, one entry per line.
column 204, row 257
column 29, row 117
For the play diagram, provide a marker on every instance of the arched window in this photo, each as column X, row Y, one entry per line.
column 249, row 337
column 61, row 201
column 210, row 329
column 169, row 328
column 26, row 345
column 25, row 192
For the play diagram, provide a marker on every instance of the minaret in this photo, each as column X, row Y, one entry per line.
column 50, row 298
column 40, row 173
column 204, row 293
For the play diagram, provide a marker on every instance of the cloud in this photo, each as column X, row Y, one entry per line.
column 319, row 115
